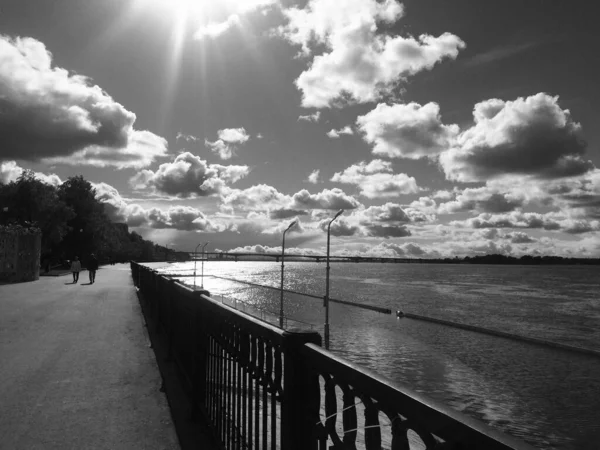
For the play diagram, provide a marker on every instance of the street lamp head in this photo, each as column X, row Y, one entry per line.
column 338, row 214
column 292, row 224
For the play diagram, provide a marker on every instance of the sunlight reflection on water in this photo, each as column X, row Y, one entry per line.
column 543, row 395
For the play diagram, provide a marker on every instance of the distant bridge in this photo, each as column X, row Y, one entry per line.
column 224, row 256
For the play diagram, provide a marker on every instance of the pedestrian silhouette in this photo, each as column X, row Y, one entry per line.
column 76, row 268
column 92, row 266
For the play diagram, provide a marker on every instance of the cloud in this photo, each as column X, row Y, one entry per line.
column 334, row 134
column 326, row 199
column 232, row 11
column 10, row 171
column 226, row 144
column 313, row 177
column 340, row 227
column 388, row 231
column 216, row 29
column 143, row 149
column 518, row 237
column 376, row 180
column 258, row 197
column 406, row 130
column 311, row 117
column 183, row 218
column 529, row 136
column 389, row 212
column 391, row 250
column 285, row 213
column 515, row 219
column 48, row 113
column 483, row 199
column 186, row 137
column 356, row 63
column 501, row 52
column 189, row 176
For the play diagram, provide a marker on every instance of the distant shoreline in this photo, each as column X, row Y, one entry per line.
column 526, row 260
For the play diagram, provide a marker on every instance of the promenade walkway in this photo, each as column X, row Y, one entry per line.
column 76, row 368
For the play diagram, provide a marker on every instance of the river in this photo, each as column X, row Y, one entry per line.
column 545, row 396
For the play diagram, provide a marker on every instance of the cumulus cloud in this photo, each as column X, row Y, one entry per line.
column 391, row 250
column 228, row 140
column 518, row 237
column 350, row 60
column 268, row 200
column 183, row 218
column 483, row 199
column 10, row 171
column 258, row 197
column 326, row 199
column 143, row 149
column 340, row 227
column 189, row 176
column 233, row 12
column 311, row 117
column 389, row 212
column 334, row 134
column 49, row 113
column 388, row 231
column 530, row 136
column 216, row 29
column 313, row 178
column 406, row 130
column 377, row 180
column 515, row 219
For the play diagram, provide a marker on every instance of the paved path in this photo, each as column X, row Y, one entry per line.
column 76, row 370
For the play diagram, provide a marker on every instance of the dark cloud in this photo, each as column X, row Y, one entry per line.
column 46, row 112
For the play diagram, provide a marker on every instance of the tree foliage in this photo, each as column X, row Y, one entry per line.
column 72, row 220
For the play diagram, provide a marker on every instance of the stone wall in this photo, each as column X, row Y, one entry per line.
column 20, row 255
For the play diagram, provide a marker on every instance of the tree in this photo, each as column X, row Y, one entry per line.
column 31, row 202
column 89, row 221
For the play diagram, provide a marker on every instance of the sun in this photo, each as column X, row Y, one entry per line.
column 199, row 10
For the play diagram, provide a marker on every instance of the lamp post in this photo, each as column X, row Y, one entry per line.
column 203, row 247
column 339, row 213
column 195, row 260
column 282, row 256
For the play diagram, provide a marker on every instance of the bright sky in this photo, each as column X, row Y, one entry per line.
column 449, row 128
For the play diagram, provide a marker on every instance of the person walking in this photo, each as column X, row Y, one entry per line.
column 76, row 268
column 92, row 267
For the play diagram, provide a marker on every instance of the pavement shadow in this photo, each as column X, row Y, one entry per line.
column 72, row 282
column 86, row 284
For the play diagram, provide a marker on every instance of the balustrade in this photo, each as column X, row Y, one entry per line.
column 261, row 387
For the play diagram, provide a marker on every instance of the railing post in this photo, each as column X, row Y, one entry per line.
column 199, row 357
column 301, row 393
column 156, row 295
column 169, row 285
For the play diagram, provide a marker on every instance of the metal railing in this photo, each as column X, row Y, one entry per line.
column 261, row 387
